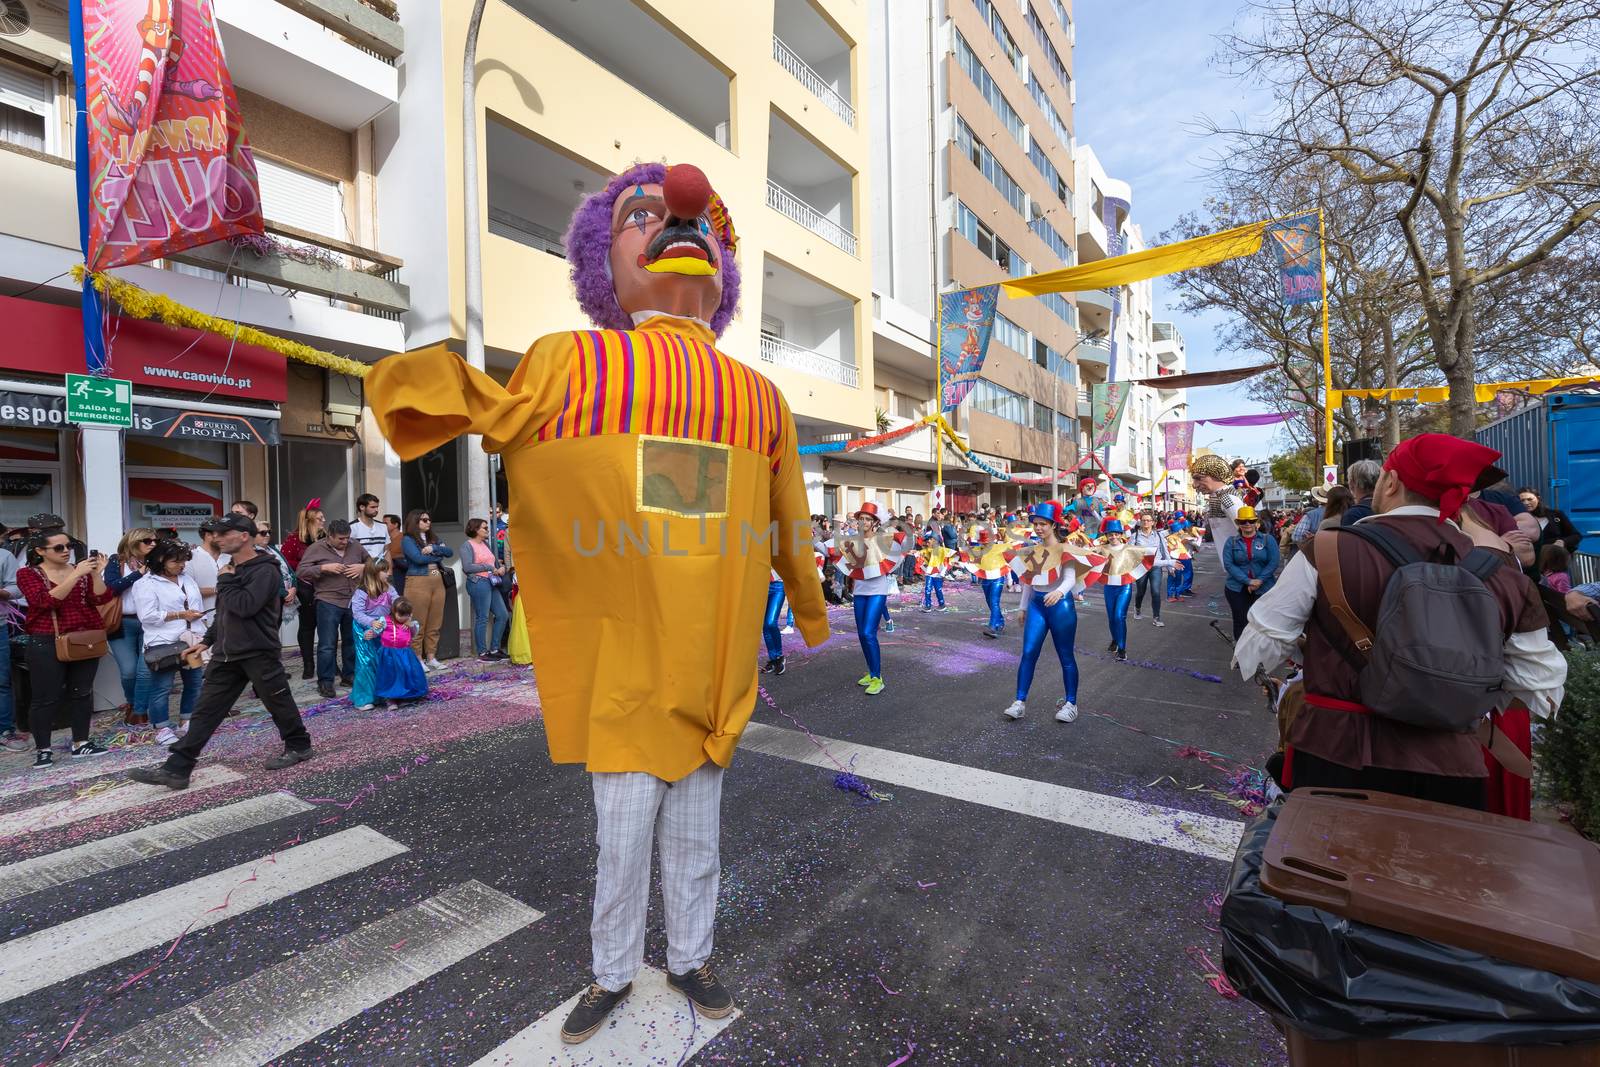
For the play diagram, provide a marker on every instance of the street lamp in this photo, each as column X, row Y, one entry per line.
column 478, row 489
column 1055, row 406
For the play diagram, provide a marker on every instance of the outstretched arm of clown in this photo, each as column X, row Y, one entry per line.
column 793, row 557
column 425, row 398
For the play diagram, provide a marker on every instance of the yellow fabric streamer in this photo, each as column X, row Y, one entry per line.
column 143, row 304
column 1138, row 266
column 1435, row 394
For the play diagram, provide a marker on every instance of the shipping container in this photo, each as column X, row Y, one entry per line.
column 1553, row 446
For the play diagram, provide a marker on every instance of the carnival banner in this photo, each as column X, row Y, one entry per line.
column 1298, row 251
column 966, row 322
column 1110, row 400
column 165, row 164
column 1180, row 442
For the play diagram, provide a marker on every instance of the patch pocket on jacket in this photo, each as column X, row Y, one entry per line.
column 684, row 478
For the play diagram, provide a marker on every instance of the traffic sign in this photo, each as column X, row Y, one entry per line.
column 95, row 401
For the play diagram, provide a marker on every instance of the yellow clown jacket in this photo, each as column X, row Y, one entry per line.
column 656, row 480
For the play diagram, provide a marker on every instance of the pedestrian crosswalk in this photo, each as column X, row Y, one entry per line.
column 316, row 988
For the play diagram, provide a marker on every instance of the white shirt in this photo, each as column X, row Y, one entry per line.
column 155, row 595
column 373, row 537
column 202, row 567
column 1536, row 673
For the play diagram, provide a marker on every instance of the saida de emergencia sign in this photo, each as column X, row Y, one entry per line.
column 95, row 401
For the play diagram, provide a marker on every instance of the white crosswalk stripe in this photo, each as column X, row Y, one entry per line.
column 1174, row 828
column 41, row 959
column 77, row 771
column 97, row 857
column 653, row 1026
column 262, row 1017
column 124, row 796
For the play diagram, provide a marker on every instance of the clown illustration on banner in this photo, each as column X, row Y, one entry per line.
column 1110, row 400
column 164, row 163
column 1296, row 243
column 966, row 322
column 1180, row 442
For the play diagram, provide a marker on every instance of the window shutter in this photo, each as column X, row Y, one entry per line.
column 297, row 198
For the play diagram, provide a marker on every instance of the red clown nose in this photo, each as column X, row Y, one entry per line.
column 687, row 191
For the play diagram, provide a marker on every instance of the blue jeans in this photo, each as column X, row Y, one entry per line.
column 128, row 650
column 8, row 705
column 160, row 698
column 991, row 594
column 487, row 603
column 932, row 585
column 1061, row 622
column 1118, row 597
column 335, row 628
column 870, row 611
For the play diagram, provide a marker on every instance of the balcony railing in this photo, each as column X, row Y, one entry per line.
column 371, row 25
column 514, row 227
column 777, row 351
column 790, row 61
column 1094, row 350
column 784, row 202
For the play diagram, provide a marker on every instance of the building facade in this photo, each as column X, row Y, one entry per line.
column 212, row 422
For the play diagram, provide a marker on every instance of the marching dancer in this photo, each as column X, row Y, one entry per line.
column 988, row 562
column 1049, row 572
column 933, row 563
column 772, row 626
column 1125, row 565
column 870, row 558
column 1180, row 583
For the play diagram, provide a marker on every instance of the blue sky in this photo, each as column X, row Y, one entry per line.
column 1145, row 76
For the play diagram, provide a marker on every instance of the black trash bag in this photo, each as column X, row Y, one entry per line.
column 1335, row 979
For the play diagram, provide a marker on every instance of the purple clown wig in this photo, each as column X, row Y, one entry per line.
column 589, row 251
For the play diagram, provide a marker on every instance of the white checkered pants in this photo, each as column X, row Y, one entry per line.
column 631, row 810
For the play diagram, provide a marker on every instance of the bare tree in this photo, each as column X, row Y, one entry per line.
column 1476, row 121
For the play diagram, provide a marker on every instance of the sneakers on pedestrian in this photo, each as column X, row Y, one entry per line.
column 11, row 737
column 435, row 665
column 363, row 707
column 183, row 727
column 865, row 679
column 88, row 748
column 787, row 630
column 1112, row 647
column 926, row 608
column 1066, row 711
column 1122, row 654
column 1016, row 710
column 43, row 759
column 704, row 991
column 165, row 736
column 590, row 1012
column 308, row 672
column 288, row 758
column 989, row 631
column 1138, row 614
column 773, row 666
column 1157, row 622
column 326, row 691
column 874, row 687
column 888, row 626
column 160, row 776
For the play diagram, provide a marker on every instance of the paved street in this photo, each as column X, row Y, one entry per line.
column 1025, row 892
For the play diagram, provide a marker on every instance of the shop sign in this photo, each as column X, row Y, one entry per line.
column 95, row 401
column 176, row 516
column 35, row 411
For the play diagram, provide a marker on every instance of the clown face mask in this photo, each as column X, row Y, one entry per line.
column 661, row 262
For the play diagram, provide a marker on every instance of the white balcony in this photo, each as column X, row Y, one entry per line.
column 781, row 353
column 790, row 61
column 1095, row 298
column 310, row 65
column 1094, row 351
column 788, row 204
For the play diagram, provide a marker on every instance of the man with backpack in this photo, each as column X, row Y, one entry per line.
column 1412, row 638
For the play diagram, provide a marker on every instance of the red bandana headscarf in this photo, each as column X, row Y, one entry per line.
column 1440, row 467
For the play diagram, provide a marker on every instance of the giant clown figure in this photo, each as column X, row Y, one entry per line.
column 657, row 481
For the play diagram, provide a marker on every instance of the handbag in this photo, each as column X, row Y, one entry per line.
column 111, row 614
column 164, row 657
column 80, row 645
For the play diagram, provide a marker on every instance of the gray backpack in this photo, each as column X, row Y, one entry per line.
column 1437, row 660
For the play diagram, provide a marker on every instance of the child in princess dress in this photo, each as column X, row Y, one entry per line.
column 400, row 673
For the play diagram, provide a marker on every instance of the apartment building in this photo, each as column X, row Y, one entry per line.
column 761, row 95
column 212, row 422
column 974, row 182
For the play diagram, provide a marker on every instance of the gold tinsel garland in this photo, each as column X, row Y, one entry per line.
column 143, row 304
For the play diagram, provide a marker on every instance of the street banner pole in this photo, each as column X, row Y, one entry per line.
column 1327, row 362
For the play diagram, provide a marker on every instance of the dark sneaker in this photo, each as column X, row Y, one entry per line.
column 1122, row 654
column 590, row 1012
column 88, row 748
column 307, row 673
column 288, row 758
column 1112, row 647
column 990, row 632
column 44, row 759
column 704, row 991
column 326, row 692
column 160, row 776
column 773, row 666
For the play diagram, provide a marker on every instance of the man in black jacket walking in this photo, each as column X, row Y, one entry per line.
column 245, row 650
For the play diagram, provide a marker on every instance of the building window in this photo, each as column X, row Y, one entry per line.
column 986, row 242
column 984, row 160
column 1008, row 44
column 1053, row 240
column 1042, row 417
column 1011, row 335
column 1052, row 117
column 301, row 199
column 997, row 400
column 981, row 77
column 1063, row 309
column 28, row 110
column 1057, row 67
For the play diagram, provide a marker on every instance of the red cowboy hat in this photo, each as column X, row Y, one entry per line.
column 868, row 508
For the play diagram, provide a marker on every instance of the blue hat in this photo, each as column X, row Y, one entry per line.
column 1119, row 498
column 1111, row 526
column 1049, row 511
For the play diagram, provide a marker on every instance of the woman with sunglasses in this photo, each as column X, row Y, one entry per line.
column 62, row 599
column 425, row 555
column 127, row 645
column 310, row 527
column 265, row 546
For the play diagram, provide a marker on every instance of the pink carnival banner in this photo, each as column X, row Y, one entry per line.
column 1180, row 442
column 169, row 166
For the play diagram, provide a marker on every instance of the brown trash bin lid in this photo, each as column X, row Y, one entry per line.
column 1502, row 887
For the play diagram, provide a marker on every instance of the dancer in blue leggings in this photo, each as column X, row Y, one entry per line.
column 772, row 626
column 989, row 562
column 1049, row 574
column 870, row 557
column 1118, row 595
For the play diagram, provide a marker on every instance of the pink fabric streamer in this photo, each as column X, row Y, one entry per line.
column 911, row 1050
column 886, row 989
column 1213, row 976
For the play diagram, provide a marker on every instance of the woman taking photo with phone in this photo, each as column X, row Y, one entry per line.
column 66, row 638
column 170, row 609
column 425, row 555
